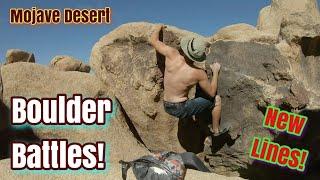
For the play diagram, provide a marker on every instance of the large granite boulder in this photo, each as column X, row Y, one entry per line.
column 271, row 17
column 17, row 55
column 33, row 80
column 298, row 25
column 302, row 29
column 125, row 61
column 116, row 134
column 243, row 33
column 68, row 63
column 306, row 71
column 253, row 75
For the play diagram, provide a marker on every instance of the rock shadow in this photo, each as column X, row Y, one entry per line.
column 130, row 124
column 310, row 46
column 10, row 134
column 160, row 58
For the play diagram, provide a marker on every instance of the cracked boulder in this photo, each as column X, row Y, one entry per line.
column 68, row 63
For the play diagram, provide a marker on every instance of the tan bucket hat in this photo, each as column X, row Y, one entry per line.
column 194, row 48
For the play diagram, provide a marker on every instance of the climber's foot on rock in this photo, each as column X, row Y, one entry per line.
column 208, row 141
column 221, row 131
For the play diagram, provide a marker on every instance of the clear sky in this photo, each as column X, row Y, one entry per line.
column 201, row 16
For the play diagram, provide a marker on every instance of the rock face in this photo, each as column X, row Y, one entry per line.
column 255, row 73
column 276, row 63
column 126, row 61
column 252, row 76
column 298, row 25
column 117, row 135
column 302, row 29
column 17, row 55
column 123, row 145
column 68, row 63
column 243, row 33
column 31, row 80
column 270, row 17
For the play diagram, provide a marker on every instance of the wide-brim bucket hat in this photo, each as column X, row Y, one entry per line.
column 194, row 48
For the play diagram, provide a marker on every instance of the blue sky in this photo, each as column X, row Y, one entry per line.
column 202, row 16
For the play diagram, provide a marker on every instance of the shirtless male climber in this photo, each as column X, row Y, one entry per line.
column 181, row 75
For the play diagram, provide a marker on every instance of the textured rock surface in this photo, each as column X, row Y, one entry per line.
column 298, row 25
column 270, row 17
column 126, row 61
column 266, row 20
column 117, row 135
column 68, row 63
column 306, row 70
column 283, row 70
column 252, row 73
column 243, row 33
column 31, row 80
column 113, row 174
column 17, row 55
column 255, row 75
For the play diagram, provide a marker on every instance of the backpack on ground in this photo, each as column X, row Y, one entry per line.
column 160, row 166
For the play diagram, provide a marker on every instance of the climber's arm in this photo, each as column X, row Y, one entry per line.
column 209, row 87
column 161, row 47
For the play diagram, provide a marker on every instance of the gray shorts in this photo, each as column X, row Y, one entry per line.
column 189, row 108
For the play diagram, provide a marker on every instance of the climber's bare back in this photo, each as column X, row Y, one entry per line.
column 179, row 77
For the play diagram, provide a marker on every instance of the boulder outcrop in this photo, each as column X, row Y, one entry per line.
column 253, row 75
column 271, row 17
column 17, row 55
column 33, row 80
column 243, row 33
column 68, row 63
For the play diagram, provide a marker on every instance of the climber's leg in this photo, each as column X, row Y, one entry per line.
column 216, row 114
column 196, row 106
